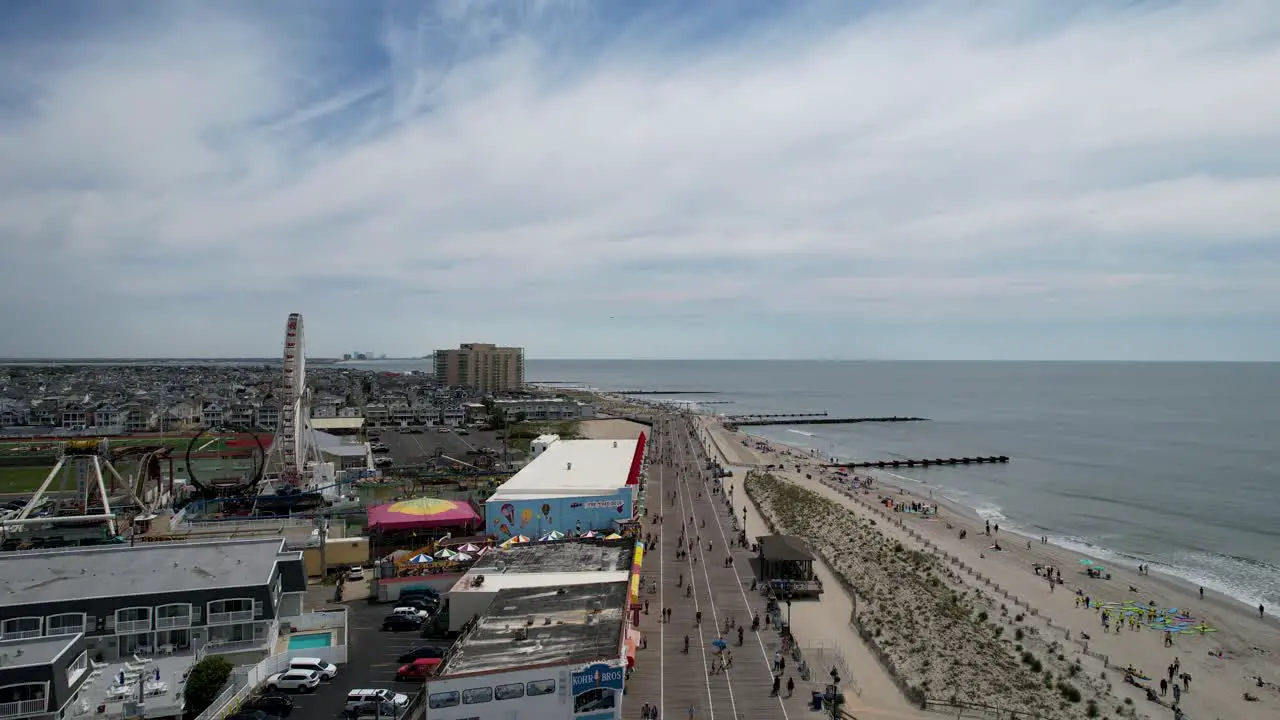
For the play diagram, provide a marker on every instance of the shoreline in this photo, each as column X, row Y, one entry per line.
column 1250, row 647
column 1190, row 580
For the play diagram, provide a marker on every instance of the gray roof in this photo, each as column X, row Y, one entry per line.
column 584, row 555
column 35, row 651
column 786, row 548
column 570, row 625
column 76, row 573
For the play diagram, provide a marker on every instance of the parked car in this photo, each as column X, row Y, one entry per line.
column 295, row 680
column 360, row 697
column 396, row 622
column 422, row 651
column 418, row 670
column 423, row 603
column 276, row 704
column 355, row 574
column 417, row 592
column 411, row 610
column 326, row 670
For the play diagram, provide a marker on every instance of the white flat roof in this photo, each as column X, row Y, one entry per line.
column 494, row 583
column 572, row 468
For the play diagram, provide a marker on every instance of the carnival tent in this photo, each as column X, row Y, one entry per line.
column 423, row 513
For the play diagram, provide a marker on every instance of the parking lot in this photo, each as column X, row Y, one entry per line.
column 371, row 663
column 418, row 449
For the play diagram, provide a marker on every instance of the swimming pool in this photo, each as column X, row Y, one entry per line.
column 312, row 640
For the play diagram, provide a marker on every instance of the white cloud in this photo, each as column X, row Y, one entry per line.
column 503, row 159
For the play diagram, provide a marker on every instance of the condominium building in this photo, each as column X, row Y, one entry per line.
column 481, row 366
column 166, row 597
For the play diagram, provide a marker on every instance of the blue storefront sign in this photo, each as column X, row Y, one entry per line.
column 536, row 517
column 596, row 689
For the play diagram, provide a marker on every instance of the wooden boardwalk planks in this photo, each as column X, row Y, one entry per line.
column 683, row 685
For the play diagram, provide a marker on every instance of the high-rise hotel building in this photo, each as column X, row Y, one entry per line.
column 481, row 366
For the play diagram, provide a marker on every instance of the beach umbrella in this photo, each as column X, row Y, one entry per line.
column 484, row 551
column 613, row 536
column 470, row 548
column 446, row 553
column 462, row 557
column 590, row 533
column 1086, row 561
column 421, row 559
column 719, row 643
column 552, row 536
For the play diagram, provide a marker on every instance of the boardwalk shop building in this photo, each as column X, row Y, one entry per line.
column 537, row 565
column 572, row 487
column 538, row 654
column 161, row 598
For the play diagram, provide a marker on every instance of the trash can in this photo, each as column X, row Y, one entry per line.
column 816, row 702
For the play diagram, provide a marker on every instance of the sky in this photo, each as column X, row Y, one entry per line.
column 753, row 179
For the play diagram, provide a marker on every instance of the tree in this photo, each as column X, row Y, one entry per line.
column 205, row 681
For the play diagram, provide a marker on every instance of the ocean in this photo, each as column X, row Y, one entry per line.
column 1173, row 464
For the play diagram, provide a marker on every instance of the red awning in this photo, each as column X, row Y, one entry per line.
column 637, row 461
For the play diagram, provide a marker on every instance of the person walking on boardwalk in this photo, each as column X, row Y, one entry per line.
column 777, row 683
column 791, row 686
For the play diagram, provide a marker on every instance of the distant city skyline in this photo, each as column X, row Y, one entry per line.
column 744, row 179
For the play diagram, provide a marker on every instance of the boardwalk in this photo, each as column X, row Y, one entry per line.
column 686, row 685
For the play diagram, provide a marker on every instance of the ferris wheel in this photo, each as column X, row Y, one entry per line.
column 294, row 445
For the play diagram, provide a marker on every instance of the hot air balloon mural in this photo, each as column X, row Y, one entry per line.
column 509, row 512
column 526, row 516
column 546, row 511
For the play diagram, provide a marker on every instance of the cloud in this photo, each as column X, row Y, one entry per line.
column 558, row 174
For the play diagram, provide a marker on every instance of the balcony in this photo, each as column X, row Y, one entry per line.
column 170, row 623
column 21, row 634
column 23, row 708
column 230, row 618
column 129, row 627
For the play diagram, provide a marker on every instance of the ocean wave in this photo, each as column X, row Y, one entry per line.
column 800, row 432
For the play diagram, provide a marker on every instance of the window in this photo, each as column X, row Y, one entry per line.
column 443, row 699
column 66, row 624
column 177, row 615
column 21, row 628
column 133, row 620
column 540, row 687
column 509, row 692
column 475, row 696
column 25, row 699
column 77, row 668
column 235, row 610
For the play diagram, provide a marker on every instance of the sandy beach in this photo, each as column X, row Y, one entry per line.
column 1221, row 662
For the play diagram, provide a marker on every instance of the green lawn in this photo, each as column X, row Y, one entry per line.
column 22, row 479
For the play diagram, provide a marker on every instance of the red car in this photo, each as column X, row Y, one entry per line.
column 419, row 669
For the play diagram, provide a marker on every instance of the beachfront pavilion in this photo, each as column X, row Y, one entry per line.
column 784, row 557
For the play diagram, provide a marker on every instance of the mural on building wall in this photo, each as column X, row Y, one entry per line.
column 596, row 691
column 535, row 518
